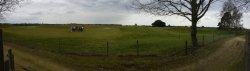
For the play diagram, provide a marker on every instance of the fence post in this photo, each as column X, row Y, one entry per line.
column 247, row 53
column 107, row 48
column 186, row 47
column 213, row 36
column 6, row 67
column 137, row 48
column 11, row 60
column 179, row 35
column 1, row 51
column 59, row 46
column 203, row 40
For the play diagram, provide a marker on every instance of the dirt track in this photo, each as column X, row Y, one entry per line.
column 28, row 62
column 225, row 58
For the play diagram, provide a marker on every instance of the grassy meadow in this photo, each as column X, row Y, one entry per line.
column 87, row 50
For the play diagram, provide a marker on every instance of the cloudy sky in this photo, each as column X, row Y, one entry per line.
column 99, row 12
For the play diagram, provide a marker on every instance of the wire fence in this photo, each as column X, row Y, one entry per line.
column 247, row 49
column 111, row 48
column 8, row 63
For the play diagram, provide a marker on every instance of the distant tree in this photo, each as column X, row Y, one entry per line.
column 231, row 16
column 225, row 21
column 136, row 24
column 203, row 27
column 159, row 23
column 220, row 26
column 169, row 25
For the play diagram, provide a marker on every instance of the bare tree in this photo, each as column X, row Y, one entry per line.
column 7, row 6
column 193, row 10
column 231, row 15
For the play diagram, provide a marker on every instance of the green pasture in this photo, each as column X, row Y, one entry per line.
column 87, row 50
column 93, row 41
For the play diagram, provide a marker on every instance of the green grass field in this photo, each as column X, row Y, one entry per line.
column 80, row 49
column 122, row 40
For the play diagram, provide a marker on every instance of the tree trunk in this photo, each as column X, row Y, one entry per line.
column 193, row 34
column 194, row 23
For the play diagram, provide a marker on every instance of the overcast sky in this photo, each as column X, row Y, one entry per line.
column 99, row 12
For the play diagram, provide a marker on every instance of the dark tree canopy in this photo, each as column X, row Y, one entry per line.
column 225, row 20
column 159, row 23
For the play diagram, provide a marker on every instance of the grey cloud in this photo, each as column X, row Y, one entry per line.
column 70, row 12
column 82, row 3
column 106, row 18
column 37, row 13
column 102, row 5
column 82, row 11
column 65, row 11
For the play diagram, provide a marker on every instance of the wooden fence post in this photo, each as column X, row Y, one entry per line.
column 59, row 46
column 11, row 60
column 186, row 47
column 179, row 35
column 203, row 40
column 1, row 51
column 213, row 36
column 247, row 52
column 6, row 67
column 107, row 48
column 137, row 48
